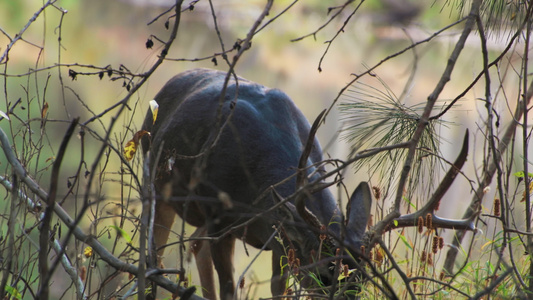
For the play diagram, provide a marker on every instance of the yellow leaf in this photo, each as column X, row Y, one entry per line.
column 88, row 252
column 129, row 150
column 486, row 244
column 155, row 109
column 44, row 110
column 131, row 146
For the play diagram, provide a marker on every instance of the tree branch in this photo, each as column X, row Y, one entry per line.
column 104, row 254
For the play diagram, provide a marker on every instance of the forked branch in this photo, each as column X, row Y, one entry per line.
column 433, row 203
column 430, row 207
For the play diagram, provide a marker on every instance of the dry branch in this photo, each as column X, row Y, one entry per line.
column 77, row 231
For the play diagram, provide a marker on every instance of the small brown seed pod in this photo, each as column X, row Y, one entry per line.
column 420, row 225
column 435, row 246
column 497, row 204
column 429, row 221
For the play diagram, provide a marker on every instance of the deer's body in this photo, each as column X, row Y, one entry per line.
column 221, row 161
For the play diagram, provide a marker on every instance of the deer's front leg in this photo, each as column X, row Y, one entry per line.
column 204, row 262
column 222, row 253
column 164, row 218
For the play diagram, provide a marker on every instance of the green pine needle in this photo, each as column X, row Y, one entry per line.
column 375, row 118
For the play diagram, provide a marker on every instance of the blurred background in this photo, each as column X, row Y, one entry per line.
column 112, row 32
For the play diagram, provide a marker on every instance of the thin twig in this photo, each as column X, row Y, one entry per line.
column 44, row 236
column 90, row 240
column 18, row 36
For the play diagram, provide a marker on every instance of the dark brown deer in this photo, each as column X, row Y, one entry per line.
column 228, row 157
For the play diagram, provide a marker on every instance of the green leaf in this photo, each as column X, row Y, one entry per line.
column 395, row 223
column 316, row 280
column 404, row 240
column 13, row 292
column 409, row 202
column 520, row 174
column 122, row 233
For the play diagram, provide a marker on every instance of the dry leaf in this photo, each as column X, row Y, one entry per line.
column 133, row 144
column 83, row 273
column 44, row 110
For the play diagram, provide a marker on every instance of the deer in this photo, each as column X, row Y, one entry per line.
column 238, row 160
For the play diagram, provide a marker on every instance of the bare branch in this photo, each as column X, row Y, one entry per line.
column 487, row 176
column 433, row 203
column 45, row 272
column 78, row 233
column 5, row 56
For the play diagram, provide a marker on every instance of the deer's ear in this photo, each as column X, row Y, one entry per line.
column 358, row 210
